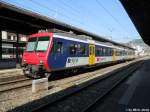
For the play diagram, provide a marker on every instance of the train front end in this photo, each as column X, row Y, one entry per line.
column 35, row 57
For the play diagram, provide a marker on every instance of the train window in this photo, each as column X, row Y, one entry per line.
column 108, row 51
column 57, row 47
column 42, row 44
column 98, row 51
column 73, row 49
column 104, row 51
column 79, row 48
column 82, row 50
column 31, row 44
column 54, row 48
column 101, row 51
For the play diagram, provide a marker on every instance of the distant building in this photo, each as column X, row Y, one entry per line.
column 139, row 50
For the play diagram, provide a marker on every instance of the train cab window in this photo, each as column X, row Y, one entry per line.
column 31, row 44
column 42, row 44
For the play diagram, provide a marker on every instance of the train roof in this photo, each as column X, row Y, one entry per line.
column 87, row 38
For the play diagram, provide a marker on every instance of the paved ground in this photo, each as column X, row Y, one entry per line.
column 131, row 96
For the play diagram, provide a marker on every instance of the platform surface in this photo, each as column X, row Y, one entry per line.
column 137, row 95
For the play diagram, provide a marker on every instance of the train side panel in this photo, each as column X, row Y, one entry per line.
column 66, row 53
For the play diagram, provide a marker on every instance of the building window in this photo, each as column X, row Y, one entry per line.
column 14, row 38
column 9, row 37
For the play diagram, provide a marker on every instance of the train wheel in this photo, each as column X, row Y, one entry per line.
column 74, row 71
column 36, row 76
column 47, row 75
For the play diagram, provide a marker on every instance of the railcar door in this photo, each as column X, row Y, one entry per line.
column 91, row 54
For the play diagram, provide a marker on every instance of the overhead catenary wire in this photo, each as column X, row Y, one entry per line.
column 76, row 12
column 95, row 15
column 114, row 18
column 69, row 6
column 68, row 17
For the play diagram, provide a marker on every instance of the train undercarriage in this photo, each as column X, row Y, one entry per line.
column 35, row 71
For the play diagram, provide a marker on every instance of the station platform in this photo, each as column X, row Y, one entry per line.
column 133, row 95
column 137, row 95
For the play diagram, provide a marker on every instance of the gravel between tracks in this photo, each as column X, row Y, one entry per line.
column 10, row 72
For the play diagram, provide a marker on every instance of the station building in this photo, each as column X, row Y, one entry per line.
column 12, row 50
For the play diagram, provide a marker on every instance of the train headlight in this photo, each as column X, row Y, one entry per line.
column 41, row 62
column 24, row 62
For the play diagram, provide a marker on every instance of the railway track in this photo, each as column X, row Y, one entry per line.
column 11, row 78
column 104, row 85
column 20, row 81
column 14, row 84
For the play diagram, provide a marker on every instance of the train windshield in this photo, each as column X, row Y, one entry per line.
column 42, row 44
column 38, row 44
column 31, row 44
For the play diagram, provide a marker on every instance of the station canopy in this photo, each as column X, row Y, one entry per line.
column 139, row 12
column 19, row 20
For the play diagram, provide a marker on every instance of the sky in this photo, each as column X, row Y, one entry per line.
column 106, row 18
